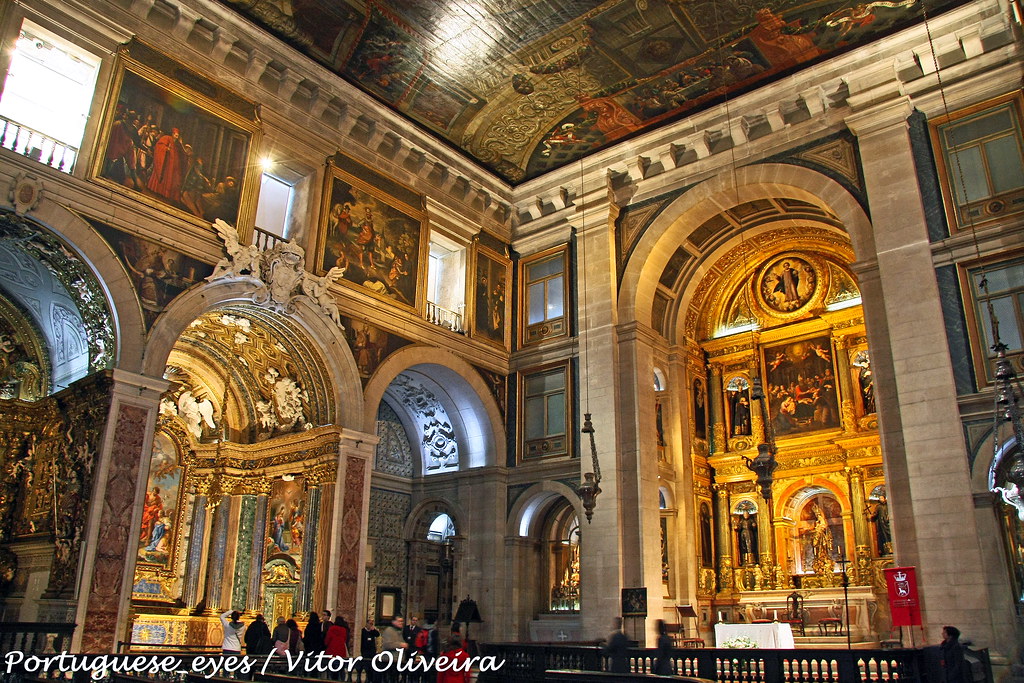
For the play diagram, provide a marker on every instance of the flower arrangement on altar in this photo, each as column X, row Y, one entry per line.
column 740, row 643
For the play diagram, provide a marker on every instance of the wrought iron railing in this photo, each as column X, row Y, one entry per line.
column 31, row 143
column 443, row 317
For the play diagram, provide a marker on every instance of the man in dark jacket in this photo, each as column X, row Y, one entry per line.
column 257, row 637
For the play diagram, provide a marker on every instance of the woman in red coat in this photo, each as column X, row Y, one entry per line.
column 336, row 640
column 456, row 668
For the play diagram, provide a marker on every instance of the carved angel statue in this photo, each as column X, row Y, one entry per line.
column 240, row 259
column 316, row 288
column 195, row 413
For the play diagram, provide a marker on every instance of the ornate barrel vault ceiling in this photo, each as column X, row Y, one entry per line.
column 526, row 87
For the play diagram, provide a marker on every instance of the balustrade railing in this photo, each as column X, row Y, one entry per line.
column 35, row 637
column 265, row 240
column 443, row 317
column 31, row 143
column 529, row 662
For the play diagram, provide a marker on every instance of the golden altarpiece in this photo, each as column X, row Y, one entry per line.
column 784, row 309
column 240, row 495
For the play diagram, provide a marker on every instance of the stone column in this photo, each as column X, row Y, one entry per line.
column 221, row 504
column 196, row 542
column 723, row 540
column 110, row 545
column 606, row 566
column 926, row 465
column 254, row 596
column 640, row 516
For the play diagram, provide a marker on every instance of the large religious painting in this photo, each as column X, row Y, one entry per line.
column 160, row 516
column 176, row 140
column 159, row 273
column 370, row 345
column 286, row 520
column 801, row 386
column 491, row 303
column 376, row 235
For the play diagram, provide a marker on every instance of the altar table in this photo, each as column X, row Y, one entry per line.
column 774, row 635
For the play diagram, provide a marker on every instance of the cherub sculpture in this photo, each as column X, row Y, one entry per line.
column 241, row 259
column 316, row 288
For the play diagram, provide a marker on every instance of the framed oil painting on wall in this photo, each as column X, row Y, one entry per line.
column 174, row 147
column 161, row 516
column 801, row 387
column 492, row 276
column 376, row 230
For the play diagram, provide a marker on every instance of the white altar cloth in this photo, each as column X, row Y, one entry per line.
column 772, row 635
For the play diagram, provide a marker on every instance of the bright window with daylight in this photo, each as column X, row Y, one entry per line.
column 46, row 97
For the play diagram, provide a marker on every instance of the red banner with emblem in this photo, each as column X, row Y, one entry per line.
column 901, row 583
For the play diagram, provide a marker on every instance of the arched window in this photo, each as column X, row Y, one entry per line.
column 564, row 545
column 441, row 529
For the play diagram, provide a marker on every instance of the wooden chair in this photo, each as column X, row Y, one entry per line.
column 795, row 614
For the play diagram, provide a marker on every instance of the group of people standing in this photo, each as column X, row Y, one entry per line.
column 322, row 635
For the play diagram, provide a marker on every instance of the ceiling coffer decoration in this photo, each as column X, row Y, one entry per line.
column 281, row 272
column 527, row 87
column 440, row 449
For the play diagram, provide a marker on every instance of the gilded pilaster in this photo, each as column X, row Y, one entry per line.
column 716, row 415
column 723, row 542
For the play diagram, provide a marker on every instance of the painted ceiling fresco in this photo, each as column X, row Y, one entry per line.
column 525, row 87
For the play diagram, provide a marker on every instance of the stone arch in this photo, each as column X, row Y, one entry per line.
column 110, row 275
column 329, row 340
column 531, row 509
column 481, row 421
column 717, row 194
column 431, row 507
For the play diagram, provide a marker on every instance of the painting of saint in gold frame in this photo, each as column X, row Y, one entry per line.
column 492, row 274
column 170, row 146
column 801, row 386
column 378, row 239
column 787, row 284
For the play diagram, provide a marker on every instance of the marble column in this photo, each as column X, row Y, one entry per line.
column 307, row 572
column 244, row 551
column 216, row 553
column 110, row 544
column 254, row 596
column 926, row 464
column 196, row 542
column 345, row 574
